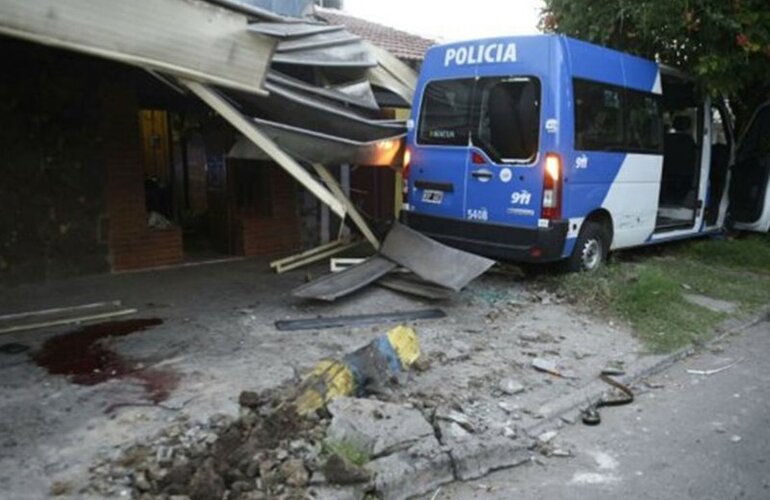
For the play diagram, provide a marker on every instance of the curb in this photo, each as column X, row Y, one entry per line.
column 572, row 404
column 559, row 410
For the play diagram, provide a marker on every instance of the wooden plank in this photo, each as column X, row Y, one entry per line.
column 262, row 141
column 186, row 38
column 353, row 212
column 59, row 310
column 66, row 321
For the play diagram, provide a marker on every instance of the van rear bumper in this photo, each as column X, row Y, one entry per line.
column 492, row 240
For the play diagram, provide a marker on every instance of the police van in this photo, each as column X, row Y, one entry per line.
column 544, row 148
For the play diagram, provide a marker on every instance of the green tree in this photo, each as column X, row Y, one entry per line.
column 723, row 43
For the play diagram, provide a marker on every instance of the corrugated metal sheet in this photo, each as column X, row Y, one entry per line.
column 349, row 55
column 315, row 147
column 288, row 30
column 432, row 261
column 314, row 113
column 334, row 286
column 191, row 39
column 357, row 93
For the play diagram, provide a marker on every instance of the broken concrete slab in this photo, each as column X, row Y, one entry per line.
column 452, row 432
column 459, row 418
column 419, row 470
column 375, row 427
column 714, row 305
column 476, row 458
column 432, row 260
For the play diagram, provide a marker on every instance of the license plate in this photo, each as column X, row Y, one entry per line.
column 432, row 196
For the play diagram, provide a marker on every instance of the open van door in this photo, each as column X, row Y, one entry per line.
column 750, row 176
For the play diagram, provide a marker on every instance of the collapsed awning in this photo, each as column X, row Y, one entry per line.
column 187, row 39
column 295, row 88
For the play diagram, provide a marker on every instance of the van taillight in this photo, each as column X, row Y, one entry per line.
column 478, row 159
column 407, row 162
column 552, row 184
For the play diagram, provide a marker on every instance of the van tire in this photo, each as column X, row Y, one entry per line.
column 591, row 248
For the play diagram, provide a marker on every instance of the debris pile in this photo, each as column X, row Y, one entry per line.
column 268, row 451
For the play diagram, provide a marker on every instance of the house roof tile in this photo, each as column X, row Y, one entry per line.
column 403, row 45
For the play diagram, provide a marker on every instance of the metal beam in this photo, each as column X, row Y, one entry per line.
column 190, row 39
column 250, row 130
column 353, row 212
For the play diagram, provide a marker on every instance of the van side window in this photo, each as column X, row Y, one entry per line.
column 644, row 125
column 446, row 112
column 612, row 118
column 598, row 116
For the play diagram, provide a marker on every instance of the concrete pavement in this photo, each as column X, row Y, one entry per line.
column 686, row 436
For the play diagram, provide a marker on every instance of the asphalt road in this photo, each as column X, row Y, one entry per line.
column 697, row 436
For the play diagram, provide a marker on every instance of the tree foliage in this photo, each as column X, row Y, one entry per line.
column 724, row 43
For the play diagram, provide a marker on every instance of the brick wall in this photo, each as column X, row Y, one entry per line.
column 51, row 175
column 277, row 233
column 132, row 244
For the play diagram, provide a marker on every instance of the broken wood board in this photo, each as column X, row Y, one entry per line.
column 21, row 326
column 431, row 260
column 358, row 320
column 336, row 285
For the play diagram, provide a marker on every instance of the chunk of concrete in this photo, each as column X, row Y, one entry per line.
column 336, row 492
column 449, row 415
column 510, row 386
column 374, row 427
column 416, row 471
column 478, row 457
column 452, row 432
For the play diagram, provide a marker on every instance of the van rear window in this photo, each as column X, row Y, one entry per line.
column 499, row 115
column 446, row 112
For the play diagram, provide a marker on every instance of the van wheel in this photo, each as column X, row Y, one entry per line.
column 591, row 248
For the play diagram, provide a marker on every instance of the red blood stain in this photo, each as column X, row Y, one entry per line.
column 82, row 355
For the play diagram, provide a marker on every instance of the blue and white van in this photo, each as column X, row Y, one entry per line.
column 543, row 148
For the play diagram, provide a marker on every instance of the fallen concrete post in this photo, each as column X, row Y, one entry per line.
column 370, row 366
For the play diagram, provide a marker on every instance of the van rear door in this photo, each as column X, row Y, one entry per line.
column 749, row 192
column 504, row 139
column 439, row 160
